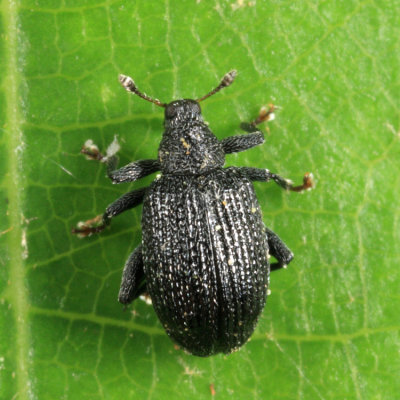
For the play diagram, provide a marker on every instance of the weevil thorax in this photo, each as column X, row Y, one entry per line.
column 188, row 147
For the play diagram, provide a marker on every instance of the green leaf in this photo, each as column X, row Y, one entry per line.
column 331, row 325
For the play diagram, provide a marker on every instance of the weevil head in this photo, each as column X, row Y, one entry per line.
column 181, row 113
column 188, row 147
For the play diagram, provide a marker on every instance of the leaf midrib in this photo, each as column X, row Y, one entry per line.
column 16, row 292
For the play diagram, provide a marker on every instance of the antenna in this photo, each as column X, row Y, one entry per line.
column 226, row 81
column 128, row 83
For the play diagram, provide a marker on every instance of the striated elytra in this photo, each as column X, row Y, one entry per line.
column 204, row 258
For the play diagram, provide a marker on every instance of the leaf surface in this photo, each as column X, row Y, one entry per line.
column 331, row 325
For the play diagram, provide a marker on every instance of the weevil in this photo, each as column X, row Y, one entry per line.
column 204, row 257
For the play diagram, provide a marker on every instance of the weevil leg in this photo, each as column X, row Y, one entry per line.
column 287, row 184
column 129, row 173
column 264, row 175
column 133, row 171
column 279, row 250
column 237, row 143
column 97, row 224
column 133, row 282
column 265, row 114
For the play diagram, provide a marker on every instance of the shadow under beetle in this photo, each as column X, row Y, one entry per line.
column 204, row 256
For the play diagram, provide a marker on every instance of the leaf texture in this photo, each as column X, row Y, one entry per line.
column 331, row 325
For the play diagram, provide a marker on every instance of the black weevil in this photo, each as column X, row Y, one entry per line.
column 204, row 256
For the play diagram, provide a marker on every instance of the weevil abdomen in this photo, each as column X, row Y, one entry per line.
column 205, row 257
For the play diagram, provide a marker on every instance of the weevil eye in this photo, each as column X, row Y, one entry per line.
column 171, row 110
